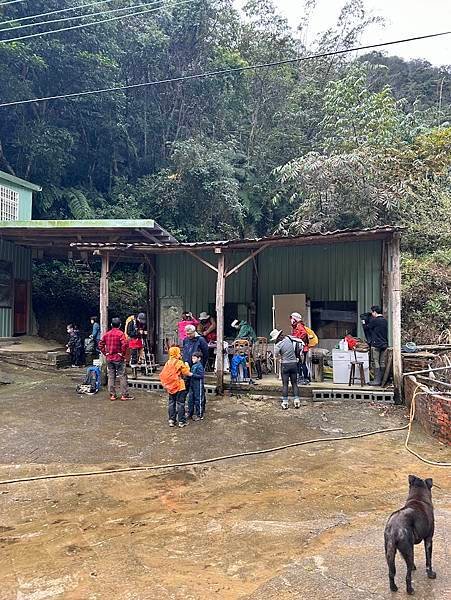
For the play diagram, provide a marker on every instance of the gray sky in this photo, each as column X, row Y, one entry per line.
column 404, row 18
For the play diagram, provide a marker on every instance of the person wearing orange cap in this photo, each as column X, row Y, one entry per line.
column 172, row 379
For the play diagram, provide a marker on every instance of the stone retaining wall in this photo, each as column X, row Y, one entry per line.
column 432, row 410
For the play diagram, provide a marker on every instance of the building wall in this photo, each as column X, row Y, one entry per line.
column 341, row 271
column 25, row 198
column 432, row 411
column 21, row 269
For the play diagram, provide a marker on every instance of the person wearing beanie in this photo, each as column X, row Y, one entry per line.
column 299, row 331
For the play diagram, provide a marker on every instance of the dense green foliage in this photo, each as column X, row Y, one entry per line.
column 325, row 143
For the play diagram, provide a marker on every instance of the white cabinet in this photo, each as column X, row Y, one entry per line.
column 341, row 361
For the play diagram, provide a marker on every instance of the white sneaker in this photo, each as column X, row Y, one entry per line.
column 297, row 403
column 284, row 404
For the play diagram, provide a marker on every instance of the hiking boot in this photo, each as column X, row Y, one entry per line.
column 183, row 424
column 297, row 403
column 171, row 423
column 113, row 397
column 284, row 404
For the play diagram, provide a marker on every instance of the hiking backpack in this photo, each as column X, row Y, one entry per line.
column 91, row 384
column 170, row 377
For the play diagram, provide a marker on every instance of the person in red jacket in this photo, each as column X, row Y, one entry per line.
column 299, row 331
column 113, row 346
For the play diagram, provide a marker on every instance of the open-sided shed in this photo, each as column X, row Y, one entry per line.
column 349, row 266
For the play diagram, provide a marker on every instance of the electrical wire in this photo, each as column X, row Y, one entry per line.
column 54, row 12
column 76, row 17
column 223, row 71
column 12, row 2
column 241, row 454
column 82, row 25
column 199, row 462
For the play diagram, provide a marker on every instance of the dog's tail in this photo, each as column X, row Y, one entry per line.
column 390, row 552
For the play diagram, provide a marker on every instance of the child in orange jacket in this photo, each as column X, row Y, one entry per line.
column 172, row 379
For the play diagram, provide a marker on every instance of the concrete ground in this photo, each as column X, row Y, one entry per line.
column 300, row 523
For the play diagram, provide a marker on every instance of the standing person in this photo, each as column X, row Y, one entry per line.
column 113, row 346
column 135, row 329
column 377, row 332
column 95, row 333
column 192, row 343
column 196, row 396
column 187, row 319
column 299, row 331
column 285, row 347
column 75, row 346
column 172, row 379
column 207, row 327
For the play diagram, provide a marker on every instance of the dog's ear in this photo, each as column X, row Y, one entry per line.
column 412, row 479
column 428, row 482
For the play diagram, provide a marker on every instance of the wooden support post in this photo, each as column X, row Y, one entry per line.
column 104, row 292
column 220, row 296
column 395, row 276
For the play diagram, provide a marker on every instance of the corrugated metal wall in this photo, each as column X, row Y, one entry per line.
column 22, row 267
column 182, row 275
column 342, row 271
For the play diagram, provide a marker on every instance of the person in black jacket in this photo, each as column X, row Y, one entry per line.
column 75, row 346
column 376, row 331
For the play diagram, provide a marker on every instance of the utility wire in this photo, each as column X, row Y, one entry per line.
column 224, row 71
column 12, row 2
column 55, row 12
column 76, row 17
column 44, row 33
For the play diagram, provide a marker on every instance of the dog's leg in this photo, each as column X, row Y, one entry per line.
column 428, row 551
column 390, row 552
column 407, row 553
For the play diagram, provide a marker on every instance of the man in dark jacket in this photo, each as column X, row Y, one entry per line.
column 194, row 343
column 376, row 330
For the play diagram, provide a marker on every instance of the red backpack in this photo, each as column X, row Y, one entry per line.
column 170, row 377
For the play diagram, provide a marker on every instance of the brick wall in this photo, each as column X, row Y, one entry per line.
column 433, row 411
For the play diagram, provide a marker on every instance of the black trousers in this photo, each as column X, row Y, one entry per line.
column 290, row 373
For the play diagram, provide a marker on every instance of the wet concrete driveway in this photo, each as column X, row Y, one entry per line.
column 302, row 523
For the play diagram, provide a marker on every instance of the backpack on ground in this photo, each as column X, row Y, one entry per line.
column 91, row 384
column 312, row 337
column 170, row 377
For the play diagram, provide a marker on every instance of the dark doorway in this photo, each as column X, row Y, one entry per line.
column 20, row 307
column 333, row 320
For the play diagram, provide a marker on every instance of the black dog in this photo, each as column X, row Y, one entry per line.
column 408, row 526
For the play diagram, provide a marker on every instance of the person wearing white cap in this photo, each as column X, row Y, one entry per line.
column 207, row 327
column 245, row 331
column 288, row 348
column 299, row 331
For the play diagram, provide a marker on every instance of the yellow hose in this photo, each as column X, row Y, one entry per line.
column 412, row 417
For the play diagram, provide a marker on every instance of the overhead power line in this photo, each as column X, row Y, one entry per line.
column 54, row 12
column 226, row 71
column 76, row 17
column 12, row 2
column 82, row 25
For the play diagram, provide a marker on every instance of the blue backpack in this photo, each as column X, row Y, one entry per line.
column 92, row 383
